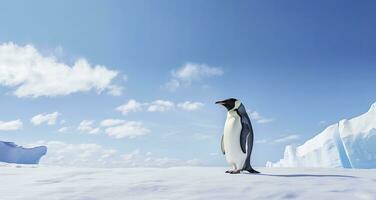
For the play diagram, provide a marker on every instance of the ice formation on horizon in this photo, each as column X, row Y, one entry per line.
column 12, row 153
column 348, row 144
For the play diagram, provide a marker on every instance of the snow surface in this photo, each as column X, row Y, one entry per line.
column 12, row 153
column 348, row 144
column 183, row 183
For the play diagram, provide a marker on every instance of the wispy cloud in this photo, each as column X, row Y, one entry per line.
column 127, row 129
column 35, row 75
column 189, row 73
column 115, row 128
column 111, row 122
column 43, row 118
column 287, row 138
column 284, row 139
column 83, row 154
column 95, row 155
column 87, row 126
column 64, row 129
column 114, row 90
column 258, row 118
column 172, row 84
column 131, row 156
column 131, row 106
column 190, row 106
column 158, row 106
column 11, row 125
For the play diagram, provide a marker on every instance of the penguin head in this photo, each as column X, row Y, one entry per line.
column 230, row 104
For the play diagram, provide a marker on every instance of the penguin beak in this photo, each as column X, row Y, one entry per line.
column 220, row 102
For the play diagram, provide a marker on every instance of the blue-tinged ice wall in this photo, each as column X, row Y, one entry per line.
column 348, row 144
column 12, row 153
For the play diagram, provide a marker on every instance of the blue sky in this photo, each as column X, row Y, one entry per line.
column 298, row 66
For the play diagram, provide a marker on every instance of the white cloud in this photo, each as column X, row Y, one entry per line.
column 49, row 119
column 95, row 131
column 138, row 159
column 157, row 106
column 172, row 85
column 111, row 122
column 190, row 106
column 64, row 154
column 11, row 125
column 116, row 128
column 35, row 75
column 191, row 72
column 283, row 139
column 286, row 139
column 129, row 129
column 162, row 162
column 63, row 129
column 131, row 106
column 95, row 155
column 86, row 126
column 131, row 155
column 258, row 118
column 193, row 162
column 115, row 90
column 160, row 106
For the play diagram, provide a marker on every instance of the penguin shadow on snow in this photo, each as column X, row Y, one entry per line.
column 304, row 175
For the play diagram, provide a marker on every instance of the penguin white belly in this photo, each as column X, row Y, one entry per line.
column 231, row 141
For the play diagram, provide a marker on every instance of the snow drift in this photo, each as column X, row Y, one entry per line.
column 183, row 183
column 12, row 153
column 348, row 144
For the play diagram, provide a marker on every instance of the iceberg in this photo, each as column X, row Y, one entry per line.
column 346, row 144
column 12, row 153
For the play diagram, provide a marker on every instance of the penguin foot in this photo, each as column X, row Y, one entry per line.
column 233, row 171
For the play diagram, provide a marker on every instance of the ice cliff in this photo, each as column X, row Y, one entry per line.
column 12, row 153
column 348, row 144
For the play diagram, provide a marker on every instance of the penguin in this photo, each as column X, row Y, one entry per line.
column 237, row 139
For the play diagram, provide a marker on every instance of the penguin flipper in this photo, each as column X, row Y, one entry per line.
column 246, row 142
column 244, row 135
column 222, row 146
